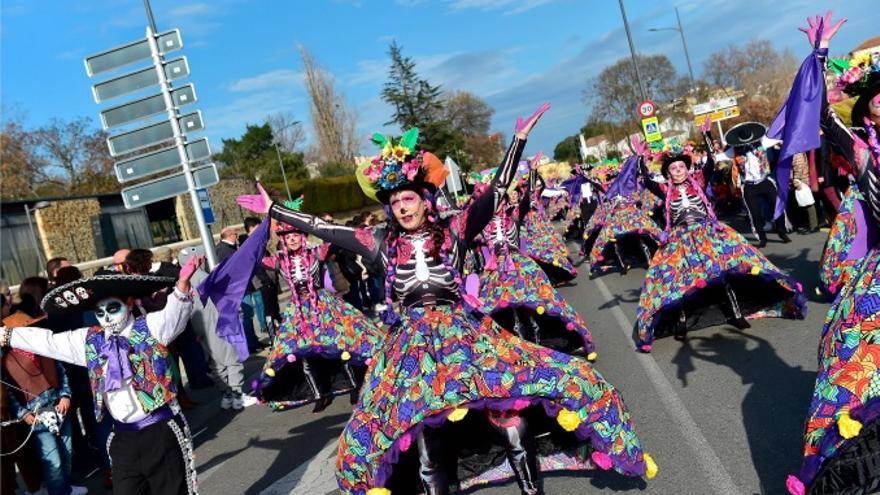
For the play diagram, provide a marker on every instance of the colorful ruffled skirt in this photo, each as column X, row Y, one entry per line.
column 334, row 341
column 439, row 368
column 689, row 272
column 626, row 225
column 842, row 439
column 522, row 285
column 835, row 269
column 541, row 242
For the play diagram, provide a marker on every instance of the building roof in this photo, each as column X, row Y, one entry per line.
column 867, row 44
column 595, row 140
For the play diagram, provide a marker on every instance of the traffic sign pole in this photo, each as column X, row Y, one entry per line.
column 204, row 231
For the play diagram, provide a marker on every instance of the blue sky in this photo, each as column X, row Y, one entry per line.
column 513, row 53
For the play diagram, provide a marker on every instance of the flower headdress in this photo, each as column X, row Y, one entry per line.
column 282, row 228
column 855, row 74
column 399, row 165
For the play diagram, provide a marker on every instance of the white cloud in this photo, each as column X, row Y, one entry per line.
column 271, row 80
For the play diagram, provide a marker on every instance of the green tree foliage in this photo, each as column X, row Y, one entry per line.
column 255, row 155
column 415, row 100
column 567, row 150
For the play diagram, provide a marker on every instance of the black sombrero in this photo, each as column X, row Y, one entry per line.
column 84, row 294
column 745, row 134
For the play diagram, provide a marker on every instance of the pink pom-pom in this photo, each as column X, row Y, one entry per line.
column 794, row 485
column 405, row 442
column 291, row 358
column 569, row 326
column 503, row 303
column 799, row 287
column 520, row 404
column 701, row 283
column 645, row 347
column 369, row 361
column 600, row 258
column 601, row 459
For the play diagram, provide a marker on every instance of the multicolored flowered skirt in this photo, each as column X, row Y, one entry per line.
column 627, row 225
column 842, row 439
column 334, row 341
column 690, row 271
column 523, row 285
column 440, row 368
column 836, row 270
column 541, row 242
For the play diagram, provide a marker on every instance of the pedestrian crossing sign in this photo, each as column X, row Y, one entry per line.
column 651, row 129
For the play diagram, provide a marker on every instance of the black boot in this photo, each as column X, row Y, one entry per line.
column 322, row 403
column 647, row 251
column 525, row 468
column 431, row 472
column 355, row 383
column 321, row 400
column 762, row 239
column 521, row 453
column 736, row 318
column 623, row 267
column 680, row 331
column 783, row 236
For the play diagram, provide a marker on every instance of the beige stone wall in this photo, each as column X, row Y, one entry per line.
column 226, row 210
column 65, row 228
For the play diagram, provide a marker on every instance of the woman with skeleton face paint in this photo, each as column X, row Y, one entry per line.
column 843, row 423
column 128, row 365
column 324, row 344
column 442, row 358
column 705, row 273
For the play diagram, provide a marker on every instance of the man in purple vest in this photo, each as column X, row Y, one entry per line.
column 127, row 359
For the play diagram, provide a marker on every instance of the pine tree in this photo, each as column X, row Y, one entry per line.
column 416, row 102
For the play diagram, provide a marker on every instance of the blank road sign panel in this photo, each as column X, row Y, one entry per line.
column 160, row 161
column 138, row 80
column 152, row 134
column 130, row 53
column 168, row 186
column 146, row 107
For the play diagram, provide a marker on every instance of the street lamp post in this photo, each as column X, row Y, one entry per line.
column 687, row 56
column 280, row 161
column 27, row 211
column 632, row 51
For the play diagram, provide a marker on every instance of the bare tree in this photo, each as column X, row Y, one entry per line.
column 334, row 122
column 287, row 130
column 78, row 152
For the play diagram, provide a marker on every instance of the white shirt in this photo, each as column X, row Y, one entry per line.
column 70, row 347
column 754, row 171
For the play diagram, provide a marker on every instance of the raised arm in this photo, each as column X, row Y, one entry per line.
column 167, row 324
column 480, row 211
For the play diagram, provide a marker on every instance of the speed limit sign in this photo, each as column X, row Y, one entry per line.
column 647, row 109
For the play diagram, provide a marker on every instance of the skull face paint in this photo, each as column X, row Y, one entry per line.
column 113, row 314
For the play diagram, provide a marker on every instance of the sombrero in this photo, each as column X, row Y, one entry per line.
column 745, row 133
column 84, row 294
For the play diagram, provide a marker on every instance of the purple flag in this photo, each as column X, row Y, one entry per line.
column 627, row 182
column 797, row 123
column 227, row 283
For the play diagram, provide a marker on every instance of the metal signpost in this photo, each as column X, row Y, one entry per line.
column 718, row 109
column 177, row 157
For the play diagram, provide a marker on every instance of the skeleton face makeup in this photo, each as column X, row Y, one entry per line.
column 113, row 314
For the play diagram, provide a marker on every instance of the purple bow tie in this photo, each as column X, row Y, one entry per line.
column 115, row 350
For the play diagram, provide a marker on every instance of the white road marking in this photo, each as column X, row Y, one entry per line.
column 719, row 479
column 318, row 476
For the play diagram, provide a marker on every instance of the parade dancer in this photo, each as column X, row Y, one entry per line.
column 324, row 344
column 584, row 196
column 841, row 453
column 543, row 243
column 705, row 272
column 515, row 291
column 442, row 359
column 752, row 175
column 837, row 266
column 622, row 230
column 129, row 369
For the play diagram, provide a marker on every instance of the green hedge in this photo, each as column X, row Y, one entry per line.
column 325, row 195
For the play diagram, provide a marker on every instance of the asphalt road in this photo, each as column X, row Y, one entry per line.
column 721, row 413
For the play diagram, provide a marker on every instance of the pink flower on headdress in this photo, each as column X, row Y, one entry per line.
column 373, row 172
column 853, row 74
column 410, row 169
